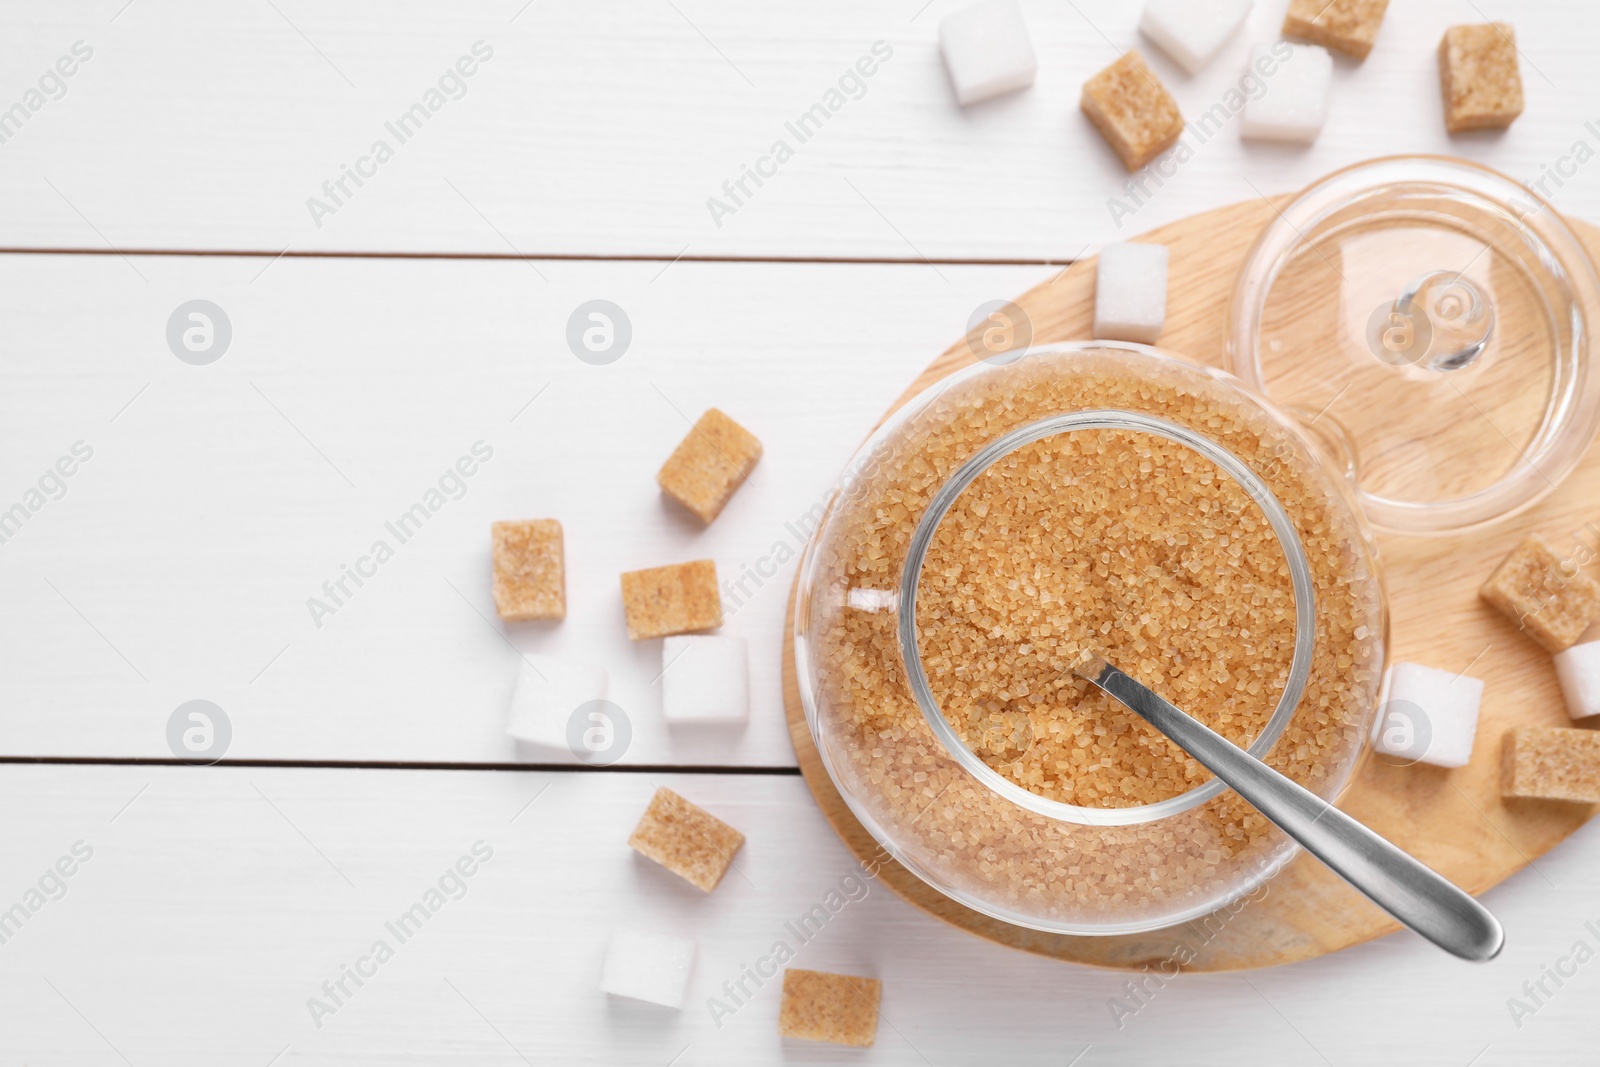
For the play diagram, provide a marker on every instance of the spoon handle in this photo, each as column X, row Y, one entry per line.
column 1396, row 882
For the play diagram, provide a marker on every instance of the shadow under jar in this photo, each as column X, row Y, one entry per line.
column 1090, row 495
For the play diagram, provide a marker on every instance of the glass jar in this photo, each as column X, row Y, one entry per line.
column 972, row 799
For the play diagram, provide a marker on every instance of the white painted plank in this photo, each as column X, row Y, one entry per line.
column 605, row 127
column 180, row 561
column 219, row 901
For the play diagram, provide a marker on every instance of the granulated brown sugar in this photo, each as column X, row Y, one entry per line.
column 529, row 570
column 710, row 462
column 1479, row 76
column 1132, row 109
column 838, row 1008
column 972, row 840
column 1551, row 763
column 1118, row 541
column 679, row 599
column 686, row 839
column 1348, row 26
column 1548, row 598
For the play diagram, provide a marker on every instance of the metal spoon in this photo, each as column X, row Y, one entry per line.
column 1399, row 884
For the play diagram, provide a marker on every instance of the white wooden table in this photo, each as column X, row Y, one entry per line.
column 380, row 334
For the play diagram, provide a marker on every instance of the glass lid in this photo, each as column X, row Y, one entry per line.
column 1428, row 319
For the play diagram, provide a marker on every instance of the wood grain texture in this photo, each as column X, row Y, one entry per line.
column 1453, row 820
column 603, row 128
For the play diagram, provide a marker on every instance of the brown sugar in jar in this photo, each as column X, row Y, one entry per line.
column 1126, row 543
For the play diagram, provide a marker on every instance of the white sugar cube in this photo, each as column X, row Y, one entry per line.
column 1130, row 292
column 1286, row 99
column 705, row 678
column 1430, row 716
column 1579, row 670
column 648, row 966
column 987, row 50
column 547, row 692
column 1192, row 32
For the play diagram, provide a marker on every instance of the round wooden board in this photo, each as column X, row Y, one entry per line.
column 1453, row 820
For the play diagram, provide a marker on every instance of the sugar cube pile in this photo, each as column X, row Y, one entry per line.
column 705, row 679
column 649, row 966
column 987, row 51
column 1130, row 292
column 1431, row 716
column 1293, row 106
column 1192, row 33
column 838, row 1008
column 547, row 691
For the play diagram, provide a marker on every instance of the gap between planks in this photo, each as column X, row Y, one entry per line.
column 577, row 257
column 405, row 765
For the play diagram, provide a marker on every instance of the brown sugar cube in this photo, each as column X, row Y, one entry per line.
column 1478, row 76
column 1133, row 110
column 1348, row 26
column 818, row 1006
column 1547, row 597
column 529, row 572
column 1551, row 763
column 709, row 464
column 679, row 599
column 688, row 841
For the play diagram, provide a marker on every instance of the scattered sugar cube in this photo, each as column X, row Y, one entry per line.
column 1550, row 599
column 1130, row 292
column 1295, row 103
column 648, row 966
column 688, row 841
column 705, row 678
column 1551, row 763
column 838, row 1008
column 709, row 464
column 1192, row 33
column 548, row 690
column 1132, row 110
column 1348, row 26
column 678, row 599
column 1579, row 670
column 987, row 51
column 529, row 570
column 1479, row 77
column 1431, row 716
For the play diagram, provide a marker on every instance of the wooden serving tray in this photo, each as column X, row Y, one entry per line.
column 1453, row 820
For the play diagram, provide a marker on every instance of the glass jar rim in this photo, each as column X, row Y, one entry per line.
column 1101, row 419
